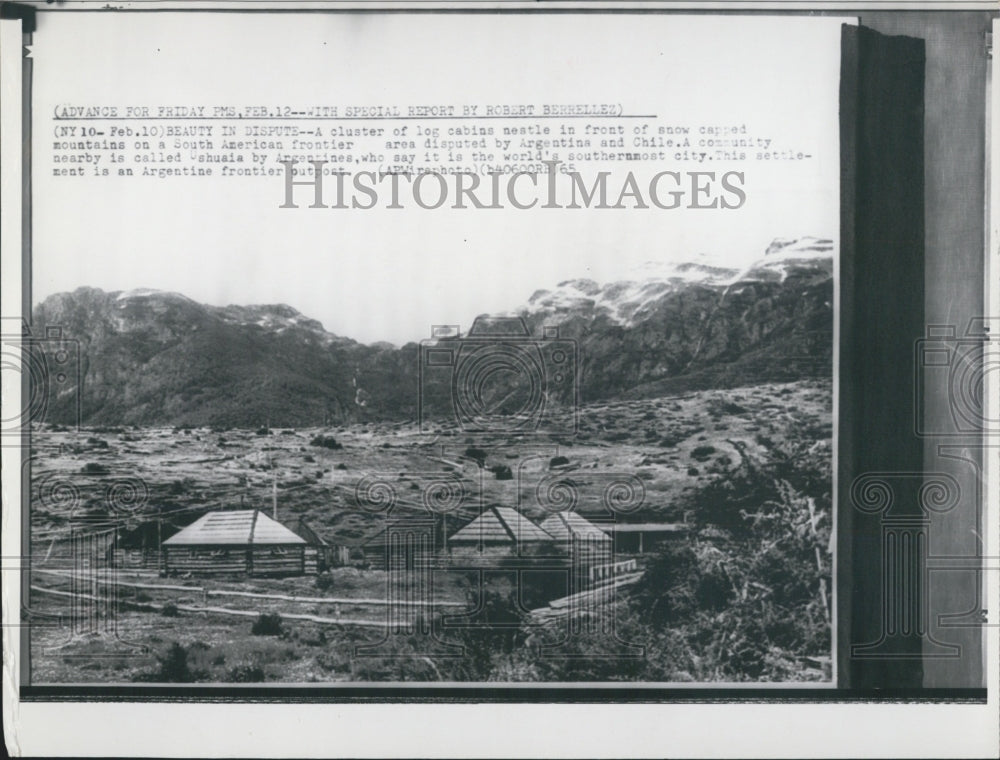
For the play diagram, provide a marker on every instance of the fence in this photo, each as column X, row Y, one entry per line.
column 601, row 573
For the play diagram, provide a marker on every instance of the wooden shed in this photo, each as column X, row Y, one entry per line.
column 328, row 555
column 586, row 545
column 245, row 542
column 500, row 530
column 569, row 526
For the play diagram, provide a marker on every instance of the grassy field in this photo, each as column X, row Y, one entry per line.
column 699, row 457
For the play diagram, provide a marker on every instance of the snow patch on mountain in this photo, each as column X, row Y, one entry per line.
column 139, row 293
column 630, row 301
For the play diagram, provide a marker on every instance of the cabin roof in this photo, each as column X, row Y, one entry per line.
column 564, row 525
column 501, row 525
column 240, row 527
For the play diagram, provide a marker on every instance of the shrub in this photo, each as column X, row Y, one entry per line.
column 324, row 581
column 267, row 624
column 174, row 665
column 667, row 591
column 181, row 487
column 496, row 633
column 263, row 431
column 326, row 442
column 312, row 636
column 502, row 472
column 247, row 672
column 702, row 453
column 170, row 610
column 477, row 455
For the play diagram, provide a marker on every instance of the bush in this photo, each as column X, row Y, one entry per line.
column 267, row 624
column 170, row 610
column 181, row 487
column 495, row 634
column 702, row 453
column 477, row 455
column 263, row 431
column 174, row 665
column 502, row 472
column 326, row 442
column 247, row 672
column 324, row 581
column 667, row 592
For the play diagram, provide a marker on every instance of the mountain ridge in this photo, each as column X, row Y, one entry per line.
column 159, row 357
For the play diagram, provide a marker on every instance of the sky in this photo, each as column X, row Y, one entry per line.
column 390, row 274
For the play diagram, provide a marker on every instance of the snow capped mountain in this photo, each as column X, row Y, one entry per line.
column 806, row 247
column 153, row 357
column 142, row 304
column 276, row 318
column 630, row 301
column 808, row 256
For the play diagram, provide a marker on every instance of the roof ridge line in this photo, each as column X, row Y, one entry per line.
column 253, row 527
column 503, row 524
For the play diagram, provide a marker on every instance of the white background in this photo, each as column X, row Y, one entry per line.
column 460, row 730
column 389, row 274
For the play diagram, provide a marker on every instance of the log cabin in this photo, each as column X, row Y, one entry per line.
column 238, row 542
column 501, row 531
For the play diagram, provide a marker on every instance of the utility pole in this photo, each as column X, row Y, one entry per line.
column 274, row 477
column 274, row 493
